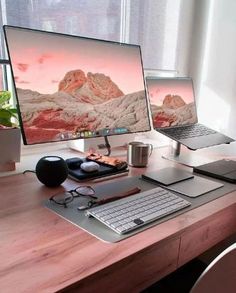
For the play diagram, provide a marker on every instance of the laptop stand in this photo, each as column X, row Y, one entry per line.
column 188, row 158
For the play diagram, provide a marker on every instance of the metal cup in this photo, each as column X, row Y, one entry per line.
column 138, row 154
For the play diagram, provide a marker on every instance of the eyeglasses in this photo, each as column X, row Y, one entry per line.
column 63, row 198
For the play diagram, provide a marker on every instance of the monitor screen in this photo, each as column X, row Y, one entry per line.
column 172, row 101
column 71, row 87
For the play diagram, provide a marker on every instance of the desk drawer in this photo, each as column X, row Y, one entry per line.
column 210, row 232
column 135, row 272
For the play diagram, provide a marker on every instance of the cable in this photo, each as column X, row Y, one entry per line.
column 31, row 171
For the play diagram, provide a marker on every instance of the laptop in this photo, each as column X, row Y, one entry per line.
column 174, row 114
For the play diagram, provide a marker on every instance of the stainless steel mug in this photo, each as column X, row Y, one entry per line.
column 138, row 153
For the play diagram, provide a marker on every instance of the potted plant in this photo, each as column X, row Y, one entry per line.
column 10, row 139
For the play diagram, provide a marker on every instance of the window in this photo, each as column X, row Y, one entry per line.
column 161, row 27
column 1, row 78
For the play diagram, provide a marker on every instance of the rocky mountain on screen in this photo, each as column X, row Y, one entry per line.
column 80, row 108
column 91, row 88
column 174, row 111
column 173, row 102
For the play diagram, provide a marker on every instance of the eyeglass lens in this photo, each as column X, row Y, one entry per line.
column 62, row 198
column 85, row 190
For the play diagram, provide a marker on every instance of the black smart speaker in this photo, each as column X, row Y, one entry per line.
column 51, row 170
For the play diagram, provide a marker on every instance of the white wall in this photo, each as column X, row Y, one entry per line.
column 213, row 63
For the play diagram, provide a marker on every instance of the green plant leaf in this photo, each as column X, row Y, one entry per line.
column 5, row 114
column 13, row 112
column 4, row 97
column 5, row 122
column 5, row 117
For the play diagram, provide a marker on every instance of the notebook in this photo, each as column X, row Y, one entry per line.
column 174, row 114
column 221, row 169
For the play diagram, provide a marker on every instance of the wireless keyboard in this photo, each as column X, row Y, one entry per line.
column 127, row 214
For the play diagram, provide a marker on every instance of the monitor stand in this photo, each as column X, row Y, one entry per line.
column 105, row 145
column 118, row 143
column 188, row 158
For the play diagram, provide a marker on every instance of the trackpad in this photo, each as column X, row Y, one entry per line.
column 195, row 187
column 167, row 176
column 182, row 181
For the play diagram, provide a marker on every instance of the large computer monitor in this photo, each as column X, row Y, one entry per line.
column 71, row 87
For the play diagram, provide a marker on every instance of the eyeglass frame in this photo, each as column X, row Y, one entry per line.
column 52, row 198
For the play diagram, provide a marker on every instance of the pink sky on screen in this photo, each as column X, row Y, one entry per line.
column 159, row 88
column 41, row 60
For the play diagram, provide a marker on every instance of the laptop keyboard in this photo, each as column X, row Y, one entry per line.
column 127, row 214
column 189, row 131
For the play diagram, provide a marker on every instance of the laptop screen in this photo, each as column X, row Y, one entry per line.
column 172, row 101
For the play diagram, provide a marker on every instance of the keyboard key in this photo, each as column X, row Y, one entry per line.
column 138, row 221
column 188, row 131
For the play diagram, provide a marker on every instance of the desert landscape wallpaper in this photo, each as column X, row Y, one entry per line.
column 171, row 101
column 67, row 85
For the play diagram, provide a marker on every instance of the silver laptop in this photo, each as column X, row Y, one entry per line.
column 174, row 113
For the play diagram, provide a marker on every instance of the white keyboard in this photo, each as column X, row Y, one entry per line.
column 125, row 215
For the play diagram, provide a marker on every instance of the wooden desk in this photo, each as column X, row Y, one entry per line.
column 41, row 252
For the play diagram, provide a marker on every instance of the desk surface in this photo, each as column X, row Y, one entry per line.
column 41, row 252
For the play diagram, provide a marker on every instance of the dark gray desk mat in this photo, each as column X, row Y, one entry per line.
column 102, row 232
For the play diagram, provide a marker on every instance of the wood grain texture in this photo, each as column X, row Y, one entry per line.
column 209, row 232
column 134, row 273
column 41, row 252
